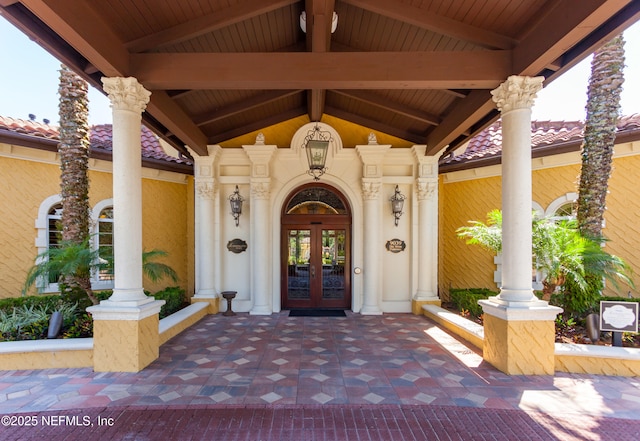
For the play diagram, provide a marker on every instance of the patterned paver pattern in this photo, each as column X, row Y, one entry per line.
column 395, row 376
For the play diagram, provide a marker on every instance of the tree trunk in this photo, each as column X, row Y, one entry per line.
column 74, row 163
column 603, row 105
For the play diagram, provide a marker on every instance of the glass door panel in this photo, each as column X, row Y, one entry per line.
column 333, row 264
column 298, row 265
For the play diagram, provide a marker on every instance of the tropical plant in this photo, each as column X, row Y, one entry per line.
column 79, row 261
column 69, row 260
column 560, row 252
column 74, row 181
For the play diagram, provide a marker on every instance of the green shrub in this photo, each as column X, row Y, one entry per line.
column 174, row 296
column 81, row 327
column 467, row 299
column 31, row 321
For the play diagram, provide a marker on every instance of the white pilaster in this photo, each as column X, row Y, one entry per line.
column 372, row 157
column 207, row 227
column 427, row 192
column 260, row 156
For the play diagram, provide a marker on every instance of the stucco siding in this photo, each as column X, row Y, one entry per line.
column 462, row 265
column 34, row 176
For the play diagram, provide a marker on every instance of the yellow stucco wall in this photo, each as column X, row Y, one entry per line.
column 28, row 181
column 462, row 265
column 469, row 266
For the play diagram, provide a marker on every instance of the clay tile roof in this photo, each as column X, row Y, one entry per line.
column 544, row 134
column 29, row 127
column 101, row 137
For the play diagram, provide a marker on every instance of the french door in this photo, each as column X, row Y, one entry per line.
column 317, row 266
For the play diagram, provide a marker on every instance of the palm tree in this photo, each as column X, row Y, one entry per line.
column 74, row 181
column 603, row 105
column 560, row 252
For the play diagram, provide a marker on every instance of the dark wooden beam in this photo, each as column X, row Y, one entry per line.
column 179, row 123
column 469, row 110
column 565, row 24
column 376, row 125
column 377, row 101
column 219, row 19
column 243, row 106
column 319, row 14
column 80, row 26
column 330, row 70
column 436, row 23
column 256, row 125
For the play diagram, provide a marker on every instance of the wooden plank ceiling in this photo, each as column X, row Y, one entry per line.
column 419, row 70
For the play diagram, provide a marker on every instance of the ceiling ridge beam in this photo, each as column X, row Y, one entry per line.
column 243, row 106
column 218, row 19
column 377, row 101
column 329, row 70
column 436, row 23
column 319, row 14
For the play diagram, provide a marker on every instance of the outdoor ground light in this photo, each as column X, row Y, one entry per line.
column 236, row 205
column 316, row 144
column 397, row 202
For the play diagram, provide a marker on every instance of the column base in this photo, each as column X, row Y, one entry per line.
column 125, row 338
column 261, row 310
column 212, row 300
column 416, row 304
column 370, row 310
column 520, row 340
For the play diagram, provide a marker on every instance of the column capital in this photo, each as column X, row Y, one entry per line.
column 426, row 188
column 260, row 188
column 518, row 92
column 371, row 188
column 126, row 93
column 206, row 189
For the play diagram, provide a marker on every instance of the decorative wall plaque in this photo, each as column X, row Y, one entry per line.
column 395, row 245
column 237, row 246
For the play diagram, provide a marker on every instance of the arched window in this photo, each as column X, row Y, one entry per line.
column 105, row 243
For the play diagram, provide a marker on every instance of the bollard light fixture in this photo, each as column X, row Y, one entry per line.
column 316, row 144
column 236, row 205
column 397, row 203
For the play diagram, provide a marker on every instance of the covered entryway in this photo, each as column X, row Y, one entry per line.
column 316, row 249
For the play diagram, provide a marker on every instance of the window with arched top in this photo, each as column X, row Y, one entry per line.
column 105, row 243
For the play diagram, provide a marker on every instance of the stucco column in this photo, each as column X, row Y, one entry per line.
column 372, row 157
column 259, row 215
column 206, row 230
column 519, row 328
column 427, row 193
column 126, row 325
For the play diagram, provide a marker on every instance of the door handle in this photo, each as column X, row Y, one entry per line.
column 313, row 271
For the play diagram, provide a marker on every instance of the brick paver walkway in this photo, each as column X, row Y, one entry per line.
column 390, row 377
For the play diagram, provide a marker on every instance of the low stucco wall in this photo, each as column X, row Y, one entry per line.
column 78, row 352
column 45, row 354
column 572, row 358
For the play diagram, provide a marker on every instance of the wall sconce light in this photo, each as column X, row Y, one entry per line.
column 236, row 205
column 316, row 143
column 397, row 202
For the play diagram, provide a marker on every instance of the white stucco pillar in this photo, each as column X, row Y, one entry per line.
column 126, row 326
column 206, row 224
column 518, row 328
column 259, row 247
column 514, row 99
column 128, row 101
column 372, row 157
column 427, row 193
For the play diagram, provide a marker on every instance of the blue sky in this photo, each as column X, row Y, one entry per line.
column 29, row 83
